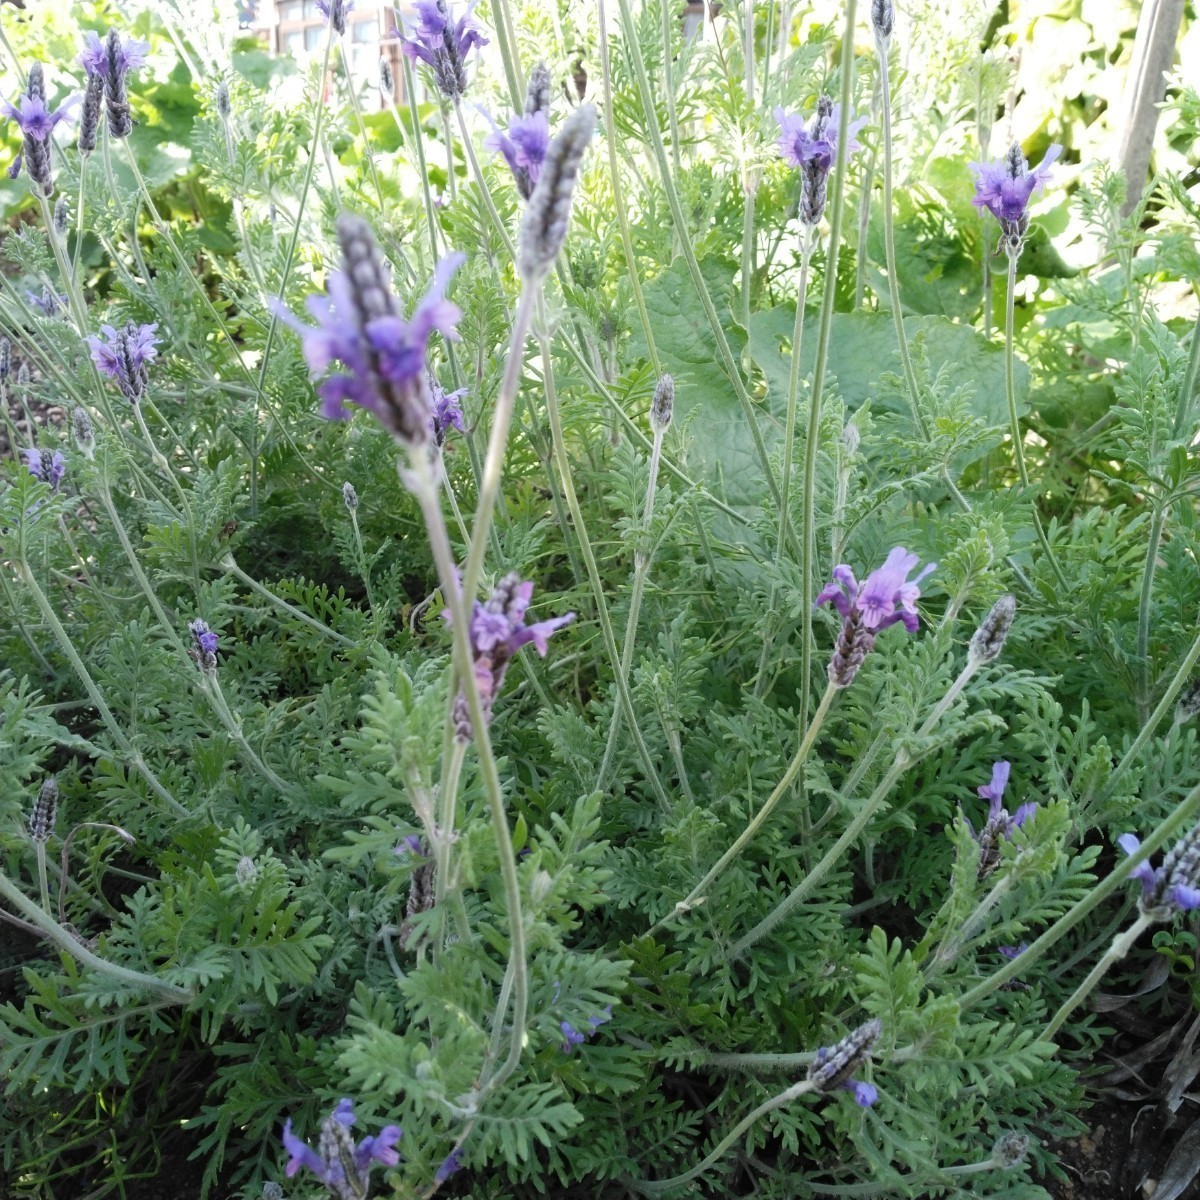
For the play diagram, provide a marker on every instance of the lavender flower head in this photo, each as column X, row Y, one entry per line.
column 498, row 631
column 1005, row 188
column 834, row 1066
column 48, row 303
column 340, row 1163
column 886, row 596
column 813, row 149
column 124, row 355
column 49, row 468
column 574, row 1037
column 1000, row 822
column 1173, row 887
column 37, row 122
column 443, row 43
column 107, row 64
column 445, row 411
column 204, row 645
column 358, row 325
column 524, row 147
column 451, row 1165
column 334, row 11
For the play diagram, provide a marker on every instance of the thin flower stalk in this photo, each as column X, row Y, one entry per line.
column 679, row 221
column 836, row 205
column 1184, row 812
column 700, row 891
column 1010, row 390
column 641, row 571
column 618, row 192
column 356, row 104
column 229, row 564
column 624, row 696
column 421, row 480
column 1157, row 520
column 484, row 190
column 133, row 757
column 900, row 764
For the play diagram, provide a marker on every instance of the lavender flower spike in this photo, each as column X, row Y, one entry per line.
column 124, row 355
column 204, row 646
column 1005, row 188
column 334, row 11
column 37, row 122
column 49, row 468
column 340, row 1163
column 445, row 411
column 884, row 597
column 1173, row 887
column 1000, row 822
column 498, row 631
column 451, row 1164
column 359, row 326
column 442, row 43
column 834, row 1066
column 523, row 146
column 813, row 149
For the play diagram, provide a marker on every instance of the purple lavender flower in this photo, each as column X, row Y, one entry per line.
column 442, row 43
column 524, row 147
column 834, row 1066
column 1011, row 952
column 813, row 149
column 1005, row 188
column 498, row 631
column 49, row 468
column 1000, row 822
column 451, row 1164
column 107, row 64
column 204, row 645
column 341, row 1164
column 884, row 597
column 124, row 356
column 129, row 55
column 1173, row 887
column 48, row 303
column 411, row 844
column 359, row 327
column 37, row 122
column 334, row 11
column 576, row 1038
column 445, row 411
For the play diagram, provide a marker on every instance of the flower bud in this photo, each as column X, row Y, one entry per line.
column 85, row 437
column 883, row 20
column 387, row 80
column 246, row 870
column 537, row 94
column 548, row 212
column 988, row 639
column 662, row 409
column 45, row 809
column 62, row 216
column 1010, row 1150
column 224, row 104
column 349, row 496
column 5, row 357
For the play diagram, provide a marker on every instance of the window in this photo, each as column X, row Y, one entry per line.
column 366, row 30
column 293, row 41
column 290, row 10
column 313, row 37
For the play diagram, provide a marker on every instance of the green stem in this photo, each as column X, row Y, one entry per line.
column 889, row 238
column 132, row 755
column 484, row 190
column 422, row 482
column 597, row 584
column 1010, row 390
column 364, row 568
column 231, row 566
column 658, row 1187
column 1187, row 392
column 64, row 940
column 362, row 125
column 685, row 239
column 698, row 893
column 1121, row 945
column 1143, row 631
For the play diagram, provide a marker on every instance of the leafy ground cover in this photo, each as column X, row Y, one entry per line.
column 624, row 625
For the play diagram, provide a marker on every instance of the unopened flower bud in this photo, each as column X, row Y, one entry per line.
column 883, row 19
column 548, row 211
column 851, row 438
column 45, row 809
column 537, row 94
column 272, row 1191
column 349, row 496
column 223, row 103
column 62, row 216
column 387, row 79
column 662, row 408
column 5, row 357
column 834, row 1065
column 1010, row 1150
column 246, row 870
column 988, row 639
column 23, row 378
column 85, row 437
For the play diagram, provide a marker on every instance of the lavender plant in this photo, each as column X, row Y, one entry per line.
column 705, row 894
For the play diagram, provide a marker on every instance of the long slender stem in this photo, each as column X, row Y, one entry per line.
column 625, row 698
column 1010, row 390
column 231, row 566
column 685, row 241
column 64, row 940
column 1121, row 945
column 641, row 570
column 758, row 820
column 1143, row 630
column 423, row 483
column 889, row 240
column 133, row 756
column 658, row 1187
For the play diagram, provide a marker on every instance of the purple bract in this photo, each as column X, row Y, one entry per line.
column 124, row 354
column 524, row 147
column 436, row 39
column 127, row 56
column 1005, row 188
column 46, row 466
column 340, row 1163
column 884, row 597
